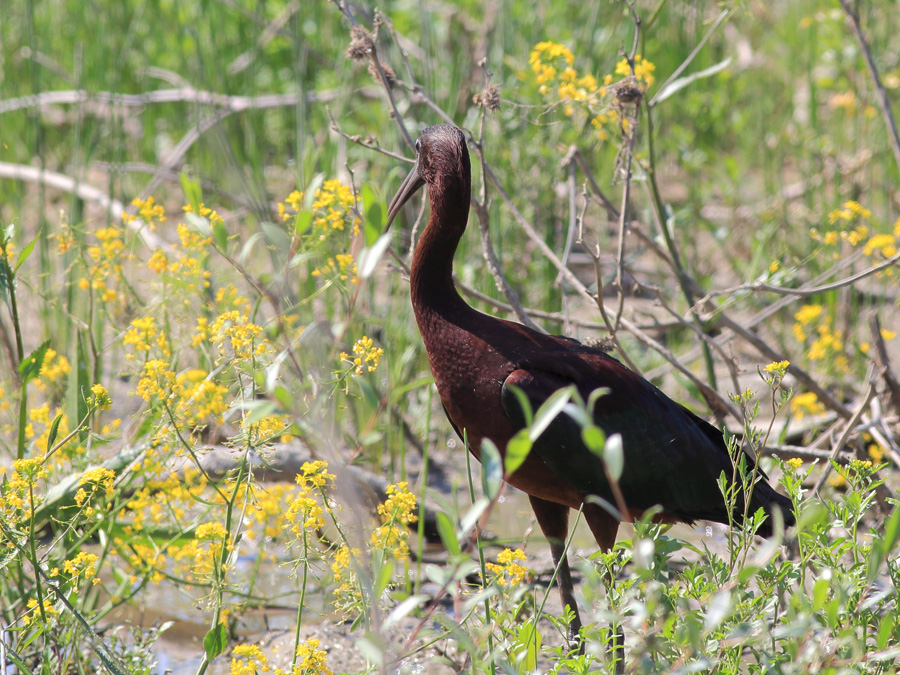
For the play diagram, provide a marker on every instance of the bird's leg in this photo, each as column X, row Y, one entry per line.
column 604, row 527
column 554, row 521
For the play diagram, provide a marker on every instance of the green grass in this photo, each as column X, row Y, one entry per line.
column 750, row 161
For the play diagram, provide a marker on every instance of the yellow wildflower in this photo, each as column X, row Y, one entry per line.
column 807, row 403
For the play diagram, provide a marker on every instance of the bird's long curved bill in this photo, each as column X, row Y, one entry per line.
column 411, row 184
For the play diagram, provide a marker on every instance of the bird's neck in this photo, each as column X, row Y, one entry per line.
column 431, row 275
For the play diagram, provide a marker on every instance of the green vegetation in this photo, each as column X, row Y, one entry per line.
column 197, row 293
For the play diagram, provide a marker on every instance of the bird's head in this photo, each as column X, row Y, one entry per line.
column 442, row 161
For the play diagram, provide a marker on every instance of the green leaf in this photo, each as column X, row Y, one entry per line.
column 448, row 533
column 528, row 646
column 369, row 257
column 385, row 572
column 215, row 641
column 491, row 469
column 402, row 610
column 192, row 191
column 54, row 431
column 26, row 252
column 31, row 365
column 258, row 410
column 302, row 221
column 309, row 194
column 892, row 531
column 594, row 439
column 524, row 404
column 548, row 411
column 220, row 235
column 517, row 450
column 471, row 517
column 614, row 456
column 682, row 82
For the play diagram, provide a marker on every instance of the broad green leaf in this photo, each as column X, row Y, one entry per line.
column 192, row 191
column 369, row 257
column 309, row 195
column 524, row 404
column 892, row 531
column 614, row 456
column 31, row 365
column 594, row 439
column 54, row 431
column 548, row 411
column 682, row 82
column 258, row 410
column 517, row 450
column 470, row 519
column 719, row 609
column 491, row 469
column 216, row 641
column 448, row 533
column 220, row 235
column 402, row 610
column 302, row 221
column 26, row 252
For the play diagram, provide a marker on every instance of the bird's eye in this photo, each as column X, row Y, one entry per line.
column 417, row 146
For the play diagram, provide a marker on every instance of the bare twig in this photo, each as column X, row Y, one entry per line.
column 344, row 7
column 789, row 451
column 883, row 361
column 370, row 143
column 611, row 209
column 481, row 211
column 803, row 291
column 82, row 190
column 103, row 100
column 883, row 101
column 848, row 430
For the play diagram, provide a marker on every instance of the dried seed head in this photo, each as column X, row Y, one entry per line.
column 605, row 344
column 489, row 98
column 629, row 93
column 388, row 73
column 361, row 44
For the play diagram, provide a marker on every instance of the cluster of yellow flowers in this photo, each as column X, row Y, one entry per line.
column 82, row 565
column 16, row 494
column 508, row 569
column 151, row 212
column 342, row 266
column 347, row 593
column 54, row 370
column 305, row 511
column 332, row 207
column 643, row 70
column 558, row 80
column 828, row 342
column 251, row 660
column 233, row 334
column 143, row 335
column 365, row 356
column 854, row 219
column 48, row 610
column 397, row 512
column 99, row 479
column 99, row 398
column 806, row 404
column 42, row 417
column 264, row 431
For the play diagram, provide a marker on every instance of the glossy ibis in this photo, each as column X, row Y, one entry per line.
column 672, row 458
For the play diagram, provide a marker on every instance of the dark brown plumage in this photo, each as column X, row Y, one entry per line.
column 672, row 457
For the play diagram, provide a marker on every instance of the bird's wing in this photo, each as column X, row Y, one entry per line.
column 672, row 457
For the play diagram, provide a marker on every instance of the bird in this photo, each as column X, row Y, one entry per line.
column 480, row 363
